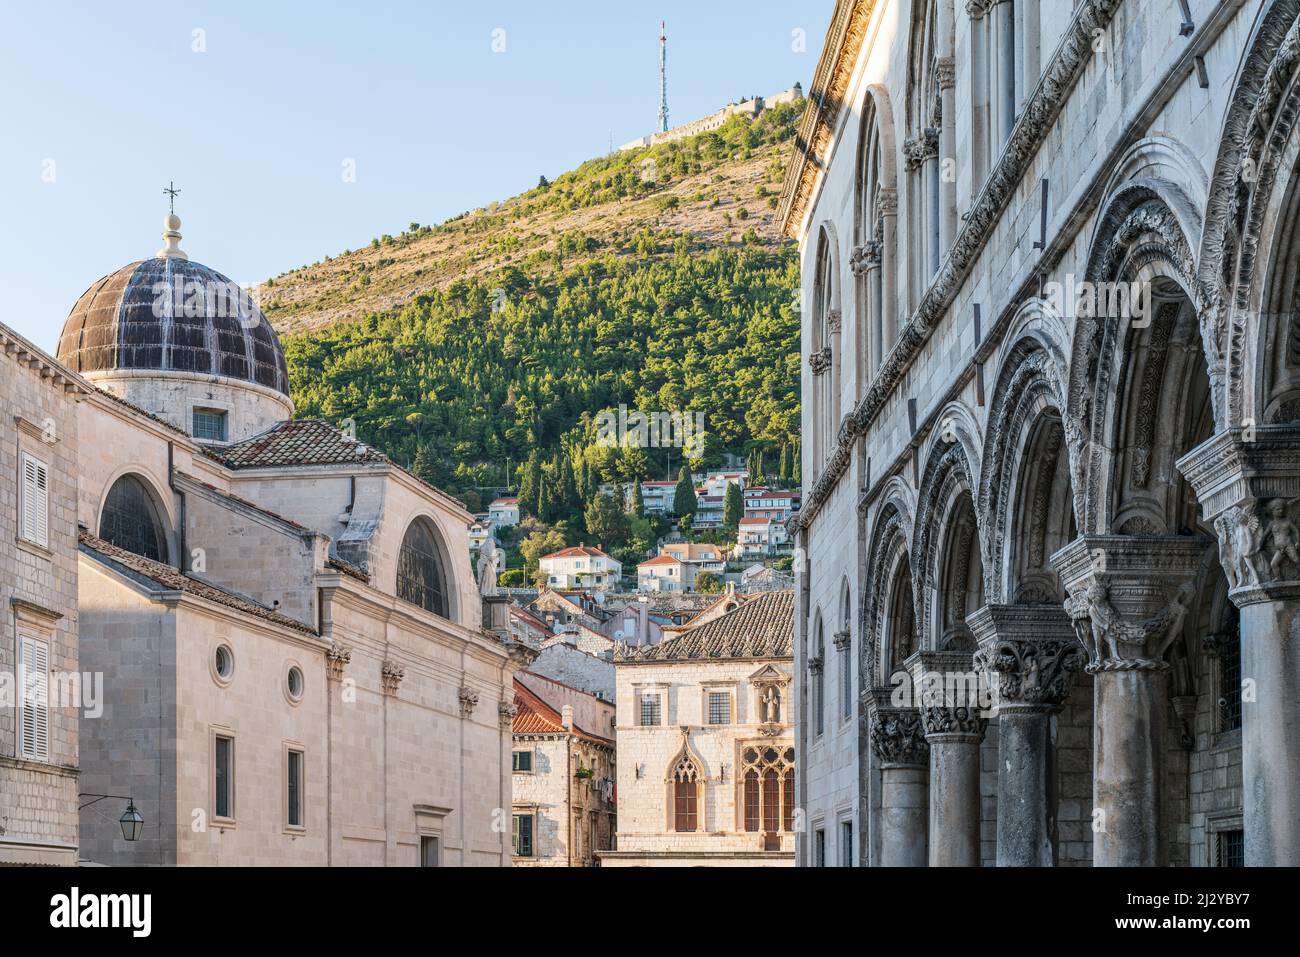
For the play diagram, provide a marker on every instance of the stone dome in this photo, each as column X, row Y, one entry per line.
column 170, row 315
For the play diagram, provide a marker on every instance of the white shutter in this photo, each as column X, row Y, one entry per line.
column 34, row 688
column 36, row 502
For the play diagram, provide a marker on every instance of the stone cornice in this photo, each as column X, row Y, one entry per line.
column 1066, row 65
column 23, row 352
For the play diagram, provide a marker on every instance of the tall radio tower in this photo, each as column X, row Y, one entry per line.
column 663, row 78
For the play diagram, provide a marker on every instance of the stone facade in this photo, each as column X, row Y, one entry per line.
column 1051, row 434
column 563, row 782
column 38, row 598
column 719, row 726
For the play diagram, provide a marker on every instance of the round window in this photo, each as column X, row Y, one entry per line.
column 295, row 683
column 224, row 662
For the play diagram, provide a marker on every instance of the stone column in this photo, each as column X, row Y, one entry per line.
column 1129, row 596
column 1247, row 485
column 1028, row 653
column 1003, row 95
column 898, row 740
column 865, row 264
column 951, row 718
column 946, row 75
column 933, row 202
column 887, row 204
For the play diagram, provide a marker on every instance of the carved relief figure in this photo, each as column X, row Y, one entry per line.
column 1282, row 537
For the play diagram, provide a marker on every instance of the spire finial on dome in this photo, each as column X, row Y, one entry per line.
column 172, row 228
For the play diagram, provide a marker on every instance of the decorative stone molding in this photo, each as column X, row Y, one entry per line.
column 898, row 737
column 834, row 321
column 468, row 701
column 914, row 153
column 977, row 9
column 1148, row 401
column 506, row 712
column 841, row 640
column 886, row 201
column 815, row 665
column 929, row 143
column 820, row 361
column 336, row 660
column 1073, row 54
column 391, row 676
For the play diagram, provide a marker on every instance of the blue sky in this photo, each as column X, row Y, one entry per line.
column 104, row 103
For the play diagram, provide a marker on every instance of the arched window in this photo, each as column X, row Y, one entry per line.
column 844, row 644
column 421, row 576
column 686, row 786
column 902, row 620
column 130, row 520
column 768, row 792
column 818, row 666
column 824, row 360
column 873, row 257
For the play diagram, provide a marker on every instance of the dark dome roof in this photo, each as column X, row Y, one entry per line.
column 168, row 314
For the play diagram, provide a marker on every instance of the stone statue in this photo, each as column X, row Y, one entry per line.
column 1282, row 537
column 489, row 561
column 1240, row 540
column 772, row 705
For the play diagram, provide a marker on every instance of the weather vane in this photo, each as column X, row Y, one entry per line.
column 173, row 192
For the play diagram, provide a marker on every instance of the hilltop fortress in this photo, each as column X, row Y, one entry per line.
column 751, row 107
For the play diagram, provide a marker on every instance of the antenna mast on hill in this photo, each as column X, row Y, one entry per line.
column 663, row 77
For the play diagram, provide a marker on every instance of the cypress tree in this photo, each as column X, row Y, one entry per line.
column 684, row 501
column 733, row 507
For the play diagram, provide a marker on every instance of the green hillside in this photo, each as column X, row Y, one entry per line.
column 500, row 334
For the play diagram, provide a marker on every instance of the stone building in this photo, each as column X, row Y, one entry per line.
column 706, row 746
column 41, row 692
column 564, row 771
column 295, row 663
column 1051, row 433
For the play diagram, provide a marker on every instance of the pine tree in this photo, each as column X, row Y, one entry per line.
column 684, row 500
column 733, row 507
column 423, row 466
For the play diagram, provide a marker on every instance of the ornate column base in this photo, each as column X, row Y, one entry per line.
column 1028, row 653
column 898, row 740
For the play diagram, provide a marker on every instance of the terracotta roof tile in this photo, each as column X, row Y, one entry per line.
column 298, row 442
column 762, row 627
column 171, row 579
column 535, row 716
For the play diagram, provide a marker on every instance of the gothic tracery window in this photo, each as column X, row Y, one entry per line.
column 768, row 788
column 686, row 784
column 131, row 522
column 421, row 579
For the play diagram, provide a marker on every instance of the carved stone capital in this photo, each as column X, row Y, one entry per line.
column 1028, row 673
column 841, row 640
column 945, row 72
column 898, row 737
column 865, row 257
column 887, row 201
column 468, row 701
column 506, row 712
column 976, row 9
column 336, row 660
column 1129, row 596
column 1248, row 484
column 945, row 720
column 820, row 361
column 929, row 143
column 391, row 676
column 834, row 321
column 815, row 665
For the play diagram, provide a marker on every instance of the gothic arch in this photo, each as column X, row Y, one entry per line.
column 825, row 357
column 1025, row 479
column 888, row 572
column 946, row 549
column 1247, row 198
column 875, row 218
column 1140, row 254
column 685, row 785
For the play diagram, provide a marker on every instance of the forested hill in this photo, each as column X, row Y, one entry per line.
column 653, row 278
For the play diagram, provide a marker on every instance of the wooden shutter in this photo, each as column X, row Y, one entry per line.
column 34, row 688
column 36, row 502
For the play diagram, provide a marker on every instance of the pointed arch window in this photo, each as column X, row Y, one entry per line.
column 768, row 791
column 130, row 520
column 421, row 571
column 686, row 786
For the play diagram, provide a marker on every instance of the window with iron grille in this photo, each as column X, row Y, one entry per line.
column 650, row 710
column 1230, row 684
column 130, row 520
column 1230, row 849
column 294, row 786
column 719, row 707
column 223, row 804
column 420, row 577
column 209, row 425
